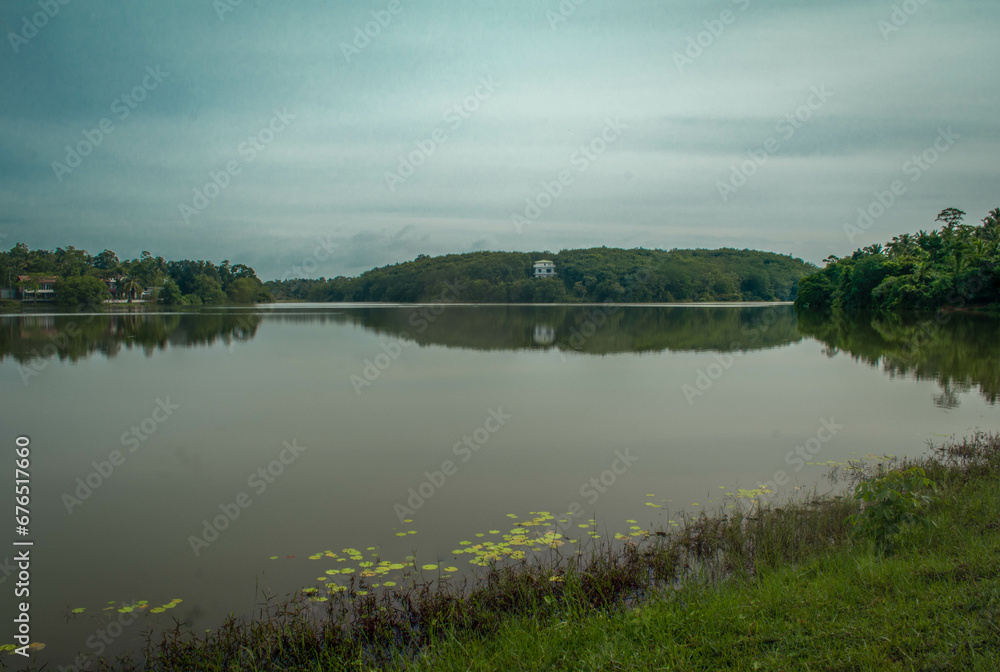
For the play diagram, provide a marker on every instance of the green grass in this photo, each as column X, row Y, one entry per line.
column 767, row 588
column 933, row 605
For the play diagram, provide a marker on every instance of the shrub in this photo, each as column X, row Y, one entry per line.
column 892, row 503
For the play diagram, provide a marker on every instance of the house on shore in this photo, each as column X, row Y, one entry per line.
column 545, row 268
column 36, row 287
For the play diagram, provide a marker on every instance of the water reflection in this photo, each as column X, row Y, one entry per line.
column 959, row 350
column 594, row 330
column 72, row 337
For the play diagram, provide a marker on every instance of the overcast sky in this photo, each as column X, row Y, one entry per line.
column 320, row 125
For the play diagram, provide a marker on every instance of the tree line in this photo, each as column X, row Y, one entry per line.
column 953, row 267
column 83, row 278
column 587, row 275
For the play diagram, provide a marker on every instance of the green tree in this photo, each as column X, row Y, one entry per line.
column 129, row 287
column 170, row 294
column 243, row 290
column 81, row 291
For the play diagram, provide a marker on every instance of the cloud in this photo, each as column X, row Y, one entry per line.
column 325, row 174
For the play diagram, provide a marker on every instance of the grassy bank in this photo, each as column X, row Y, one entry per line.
column 799, row 586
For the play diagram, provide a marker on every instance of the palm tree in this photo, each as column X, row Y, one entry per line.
column 130, row 286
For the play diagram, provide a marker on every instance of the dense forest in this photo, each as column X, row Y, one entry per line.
column 82, row 278
column 950, row 268
column 592, row 275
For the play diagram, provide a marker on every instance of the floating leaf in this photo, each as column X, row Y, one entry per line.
column 79, row 610
column 429, row 568
column 451, row 569
column 389, row 584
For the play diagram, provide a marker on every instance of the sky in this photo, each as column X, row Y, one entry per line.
column 312, row 138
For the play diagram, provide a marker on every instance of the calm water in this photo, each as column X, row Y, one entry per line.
column 666, row 408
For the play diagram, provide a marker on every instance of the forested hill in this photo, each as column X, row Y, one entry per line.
column 592, row 275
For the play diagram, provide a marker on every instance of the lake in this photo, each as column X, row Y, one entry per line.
column 184, row 463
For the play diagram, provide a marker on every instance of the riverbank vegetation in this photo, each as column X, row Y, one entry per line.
column 909, row 581
column 82, row 279
column 952, row 268
column 593, row 275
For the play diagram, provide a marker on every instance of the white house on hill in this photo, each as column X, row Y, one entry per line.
column 545, row 269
